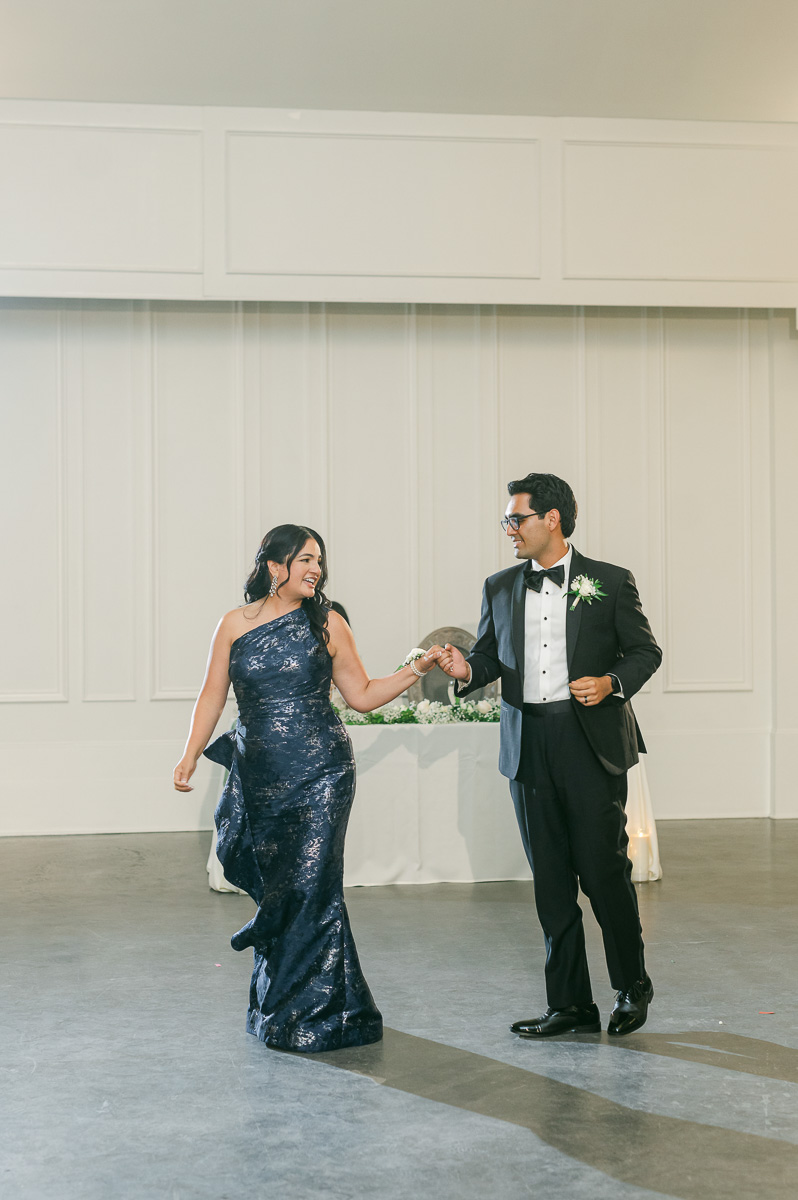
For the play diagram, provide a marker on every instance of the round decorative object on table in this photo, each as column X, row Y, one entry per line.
column 437, row 686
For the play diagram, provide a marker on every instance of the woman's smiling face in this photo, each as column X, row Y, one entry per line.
column 306, row 570
column 299, row 583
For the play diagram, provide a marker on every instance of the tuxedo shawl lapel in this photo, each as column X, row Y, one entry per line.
column 573, row 616
column 518, row 612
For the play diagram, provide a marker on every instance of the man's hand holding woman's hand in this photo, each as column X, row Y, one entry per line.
column 452, row 663
column 448, row 658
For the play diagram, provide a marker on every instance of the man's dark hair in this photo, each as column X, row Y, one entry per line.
column 547, row 492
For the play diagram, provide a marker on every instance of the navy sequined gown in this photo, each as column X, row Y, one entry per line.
column 281, row 823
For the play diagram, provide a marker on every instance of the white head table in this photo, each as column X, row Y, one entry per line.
column 431, row 807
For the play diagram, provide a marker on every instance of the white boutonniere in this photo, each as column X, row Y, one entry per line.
column 585, row 589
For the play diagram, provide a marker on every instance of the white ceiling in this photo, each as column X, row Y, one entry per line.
column 695, row 59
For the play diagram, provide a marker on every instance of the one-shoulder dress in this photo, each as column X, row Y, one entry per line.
column 281, row 825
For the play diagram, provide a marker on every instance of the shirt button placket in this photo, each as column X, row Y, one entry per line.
column 544, row 656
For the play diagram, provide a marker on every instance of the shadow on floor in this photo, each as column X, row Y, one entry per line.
column 678, row 1158
column 731, row 1051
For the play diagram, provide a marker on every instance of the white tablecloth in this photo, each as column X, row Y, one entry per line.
column 431, row 807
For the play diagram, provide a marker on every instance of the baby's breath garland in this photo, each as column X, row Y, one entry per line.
column 425, row 712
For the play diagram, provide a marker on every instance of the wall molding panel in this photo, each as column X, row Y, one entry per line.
column 101, row 179
column 128, row 219
column 489, row 433
column 625, row 216
column 33, row 366
column 355, row 188
column 198, row 486
column 709, row 471
column 148, row 446
column 107, row 482
column 348, row 207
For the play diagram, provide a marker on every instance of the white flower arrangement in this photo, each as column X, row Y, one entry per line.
column 585, row 589
column 425, row 712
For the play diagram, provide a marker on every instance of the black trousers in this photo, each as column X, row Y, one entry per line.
column 573, row 825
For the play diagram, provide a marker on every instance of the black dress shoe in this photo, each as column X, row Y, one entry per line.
column 631, row 1007
column 554, row 1021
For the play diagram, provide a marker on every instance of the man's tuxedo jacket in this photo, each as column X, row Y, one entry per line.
column 608, row 636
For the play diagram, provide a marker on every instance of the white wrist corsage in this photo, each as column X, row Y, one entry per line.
column 585, row 589
column 410, row 660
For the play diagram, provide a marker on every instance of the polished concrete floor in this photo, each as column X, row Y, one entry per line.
column 126, row 1071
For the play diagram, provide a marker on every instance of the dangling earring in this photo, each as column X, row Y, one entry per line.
column 273, row 588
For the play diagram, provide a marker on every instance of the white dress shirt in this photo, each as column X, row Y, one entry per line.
column 545, row 654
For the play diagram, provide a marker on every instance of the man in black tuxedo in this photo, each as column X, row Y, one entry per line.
column 569, row 639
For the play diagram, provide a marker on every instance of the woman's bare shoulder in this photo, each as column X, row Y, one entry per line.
column 238, row 621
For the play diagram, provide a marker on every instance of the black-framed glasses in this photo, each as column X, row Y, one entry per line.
column 514, row 522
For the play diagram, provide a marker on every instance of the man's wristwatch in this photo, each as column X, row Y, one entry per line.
column 616, row 684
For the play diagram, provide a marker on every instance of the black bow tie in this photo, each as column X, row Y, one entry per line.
column 534, row 579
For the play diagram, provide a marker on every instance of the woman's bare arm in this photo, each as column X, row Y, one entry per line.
column 351, row 678
column 210, row 703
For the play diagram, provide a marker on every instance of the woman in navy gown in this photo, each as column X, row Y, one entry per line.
column 282, row 816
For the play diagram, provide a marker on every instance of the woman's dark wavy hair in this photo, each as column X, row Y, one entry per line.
column 547, row 492
column 281, row 545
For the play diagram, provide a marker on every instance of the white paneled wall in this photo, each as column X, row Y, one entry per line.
column 257, row 204
column 146, row 447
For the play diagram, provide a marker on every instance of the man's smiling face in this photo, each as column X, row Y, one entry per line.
column 533, row 535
